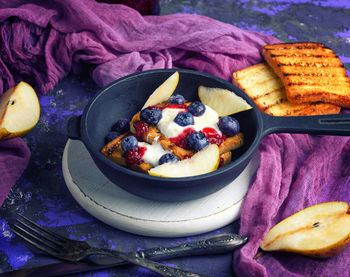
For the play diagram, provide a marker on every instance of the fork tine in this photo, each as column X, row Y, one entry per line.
column 32, row 236
column 43, row 229
column 39, row 246
column 39, row 232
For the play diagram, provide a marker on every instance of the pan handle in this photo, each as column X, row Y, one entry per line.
column 73, row 127
column 335, row 124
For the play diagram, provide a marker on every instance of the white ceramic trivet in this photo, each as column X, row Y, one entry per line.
column 120, row 209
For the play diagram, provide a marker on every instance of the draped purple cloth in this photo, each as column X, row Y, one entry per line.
column 43, row 41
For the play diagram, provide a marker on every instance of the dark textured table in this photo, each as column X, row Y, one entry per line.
column 41, row 191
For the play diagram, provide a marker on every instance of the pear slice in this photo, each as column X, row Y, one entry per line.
column 318, row 231
column 163, row 92
column 19, row 111
column 202, row 162
column 223, row 101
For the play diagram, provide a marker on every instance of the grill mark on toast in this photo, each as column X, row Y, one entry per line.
column 296, row 47
column 314, row 84
column 316, row 74
column 265, row 94
column 318, row 65
column 303, row 55
column 336, row 70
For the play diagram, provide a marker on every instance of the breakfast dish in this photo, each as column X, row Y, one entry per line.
column 267, row 90
column 170, row 132
column 190, row 136
column 310, row 72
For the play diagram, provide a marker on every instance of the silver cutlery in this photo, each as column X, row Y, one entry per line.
column 73, row 251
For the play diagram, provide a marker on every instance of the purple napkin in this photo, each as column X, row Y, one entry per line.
column 296, row 171
column 14, row 158
column 45, row 40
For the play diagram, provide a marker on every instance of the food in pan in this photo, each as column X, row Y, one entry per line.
column 206, row 160
column 19, row 111
column 268, row 92
column 319, row 231
column 310, row 72
column 215, row 97
column 174, row 131
column 164, row 91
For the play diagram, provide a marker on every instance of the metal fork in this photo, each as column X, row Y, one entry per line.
column 74, row 251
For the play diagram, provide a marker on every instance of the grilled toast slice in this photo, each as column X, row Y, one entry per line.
column 114, row 152
column 311, row 72
column 267, row 91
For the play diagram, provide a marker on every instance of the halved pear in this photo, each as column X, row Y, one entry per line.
column 319, row 231
column 202, row 162
column 19, row 111
column 163, row 92
column 223, row 101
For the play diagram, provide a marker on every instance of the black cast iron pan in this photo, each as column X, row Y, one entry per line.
column 126, row 96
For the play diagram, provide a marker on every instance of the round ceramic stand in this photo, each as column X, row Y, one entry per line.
column 120, row 209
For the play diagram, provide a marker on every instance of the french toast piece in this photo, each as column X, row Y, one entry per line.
column 267, row 91
column 114, row 152
column 230, row 143
column 311, row 72
column 225, row 158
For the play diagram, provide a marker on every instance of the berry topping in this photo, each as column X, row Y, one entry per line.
column 213, row 136
column 134, row 156
column 196, row 108
column 128, row 143
column 111, row 136
column 221, row 163
column 140, row 128
column 121, row 126
column 229, row 126
column 180, row 140
column 168, row 158
column 176, row 99
column 151, row 115
column 197, row 141
column 184, row 119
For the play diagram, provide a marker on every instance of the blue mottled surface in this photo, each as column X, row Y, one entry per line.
column 41, row 193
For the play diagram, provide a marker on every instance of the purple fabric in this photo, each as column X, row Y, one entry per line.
column 44, row 40
column 296, row 171
column 14, row 157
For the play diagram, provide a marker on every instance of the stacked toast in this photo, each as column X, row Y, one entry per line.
column 296, row 79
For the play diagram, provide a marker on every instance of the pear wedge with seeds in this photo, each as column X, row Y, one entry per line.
column 19, row 111
column 319, row 231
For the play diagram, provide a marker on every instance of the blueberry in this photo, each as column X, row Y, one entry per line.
column 177, row 99
column 197, row 141
column 184, row 119
column 151, row 115
column 196, row 108
column 229, row 126
column 121, row 126
column 128, row 143
column 111, row 136
column 168, row 158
